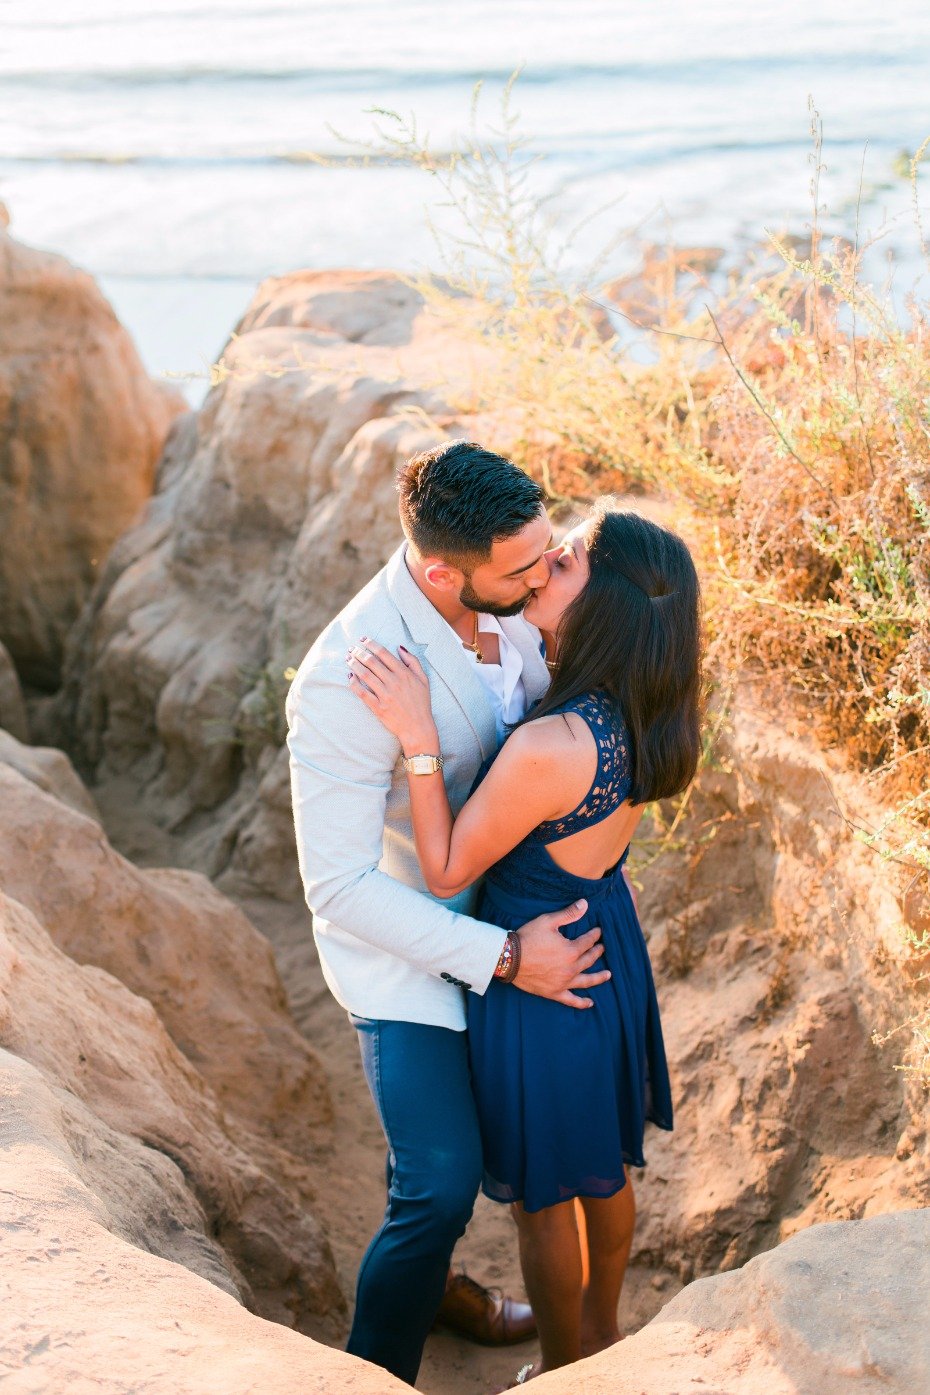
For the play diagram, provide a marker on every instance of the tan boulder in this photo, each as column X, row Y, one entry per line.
column 134, row 1189
column 176, row 941
column 274, row 505
column 838, row 1309
column 81, row 428
column 89, row 1035
column 776, row 940
column 105, row 1265
column 49, row 769
column 13, row 717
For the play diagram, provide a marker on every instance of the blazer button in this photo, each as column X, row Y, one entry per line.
column 448, row 978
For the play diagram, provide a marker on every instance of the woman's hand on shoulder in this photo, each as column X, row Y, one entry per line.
column 396, row 689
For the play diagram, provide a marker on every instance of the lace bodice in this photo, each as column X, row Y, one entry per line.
column 613, row 777
column 528, row 869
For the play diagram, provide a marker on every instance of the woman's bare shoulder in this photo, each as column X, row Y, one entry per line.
column 554, row 739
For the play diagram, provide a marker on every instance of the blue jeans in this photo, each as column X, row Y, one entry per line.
column 421, row 1085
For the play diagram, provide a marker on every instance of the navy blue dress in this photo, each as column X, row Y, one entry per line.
column 564, row 1093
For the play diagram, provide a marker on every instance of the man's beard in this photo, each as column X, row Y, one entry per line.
column 470, row 599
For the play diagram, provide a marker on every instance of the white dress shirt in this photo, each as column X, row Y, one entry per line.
column 504, row 681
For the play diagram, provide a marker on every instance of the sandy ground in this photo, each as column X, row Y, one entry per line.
column 351, row 1169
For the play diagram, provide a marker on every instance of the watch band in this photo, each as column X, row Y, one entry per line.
column 421, row 764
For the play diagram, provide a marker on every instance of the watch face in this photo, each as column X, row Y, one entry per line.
column 422, row 765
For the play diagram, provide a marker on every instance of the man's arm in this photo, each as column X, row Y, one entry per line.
column 342, row 761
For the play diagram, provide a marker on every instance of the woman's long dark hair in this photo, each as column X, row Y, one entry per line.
column 635, row 633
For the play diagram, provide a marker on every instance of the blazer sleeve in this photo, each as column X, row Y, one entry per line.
column 341, row 762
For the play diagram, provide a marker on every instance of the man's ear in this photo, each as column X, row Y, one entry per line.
column 443, row 576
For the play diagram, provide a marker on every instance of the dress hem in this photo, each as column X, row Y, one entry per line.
column 531, row 1210
column 640, row 1165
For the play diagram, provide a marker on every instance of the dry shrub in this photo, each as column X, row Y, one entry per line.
column 826, row 550
column 783, row 420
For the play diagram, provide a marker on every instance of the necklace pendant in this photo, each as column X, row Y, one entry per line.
column 475, row 646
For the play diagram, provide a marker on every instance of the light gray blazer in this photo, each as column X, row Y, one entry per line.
column 388, row 948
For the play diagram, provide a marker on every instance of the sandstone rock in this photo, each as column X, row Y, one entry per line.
column 766, row 932
column 134, row 1190
column 838, row 1309
column 174, row 940
column 81, row 426
column 13, row 716
column 92, row 1300
column 273, row 505
column 51, row 770
column 89, row 1035
column 95, row 1302
column 359, row 307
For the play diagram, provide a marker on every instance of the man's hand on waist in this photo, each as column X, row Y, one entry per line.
column 552, row 965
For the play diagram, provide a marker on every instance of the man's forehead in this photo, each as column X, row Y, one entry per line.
column 523, row 548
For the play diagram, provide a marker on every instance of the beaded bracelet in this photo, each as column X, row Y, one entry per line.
column 508, row 966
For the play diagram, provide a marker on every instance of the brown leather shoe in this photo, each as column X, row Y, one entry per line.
column 484, row 1315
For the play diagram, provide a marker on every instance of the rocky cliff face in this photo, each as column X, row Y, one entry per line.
column 170, row 937
column 192, row 1100
column 13, row 718
column 81, row 427
column 102, row 1228
column 116, row 1281
column 779, row 953
column 165, row 1116
column 272, row 507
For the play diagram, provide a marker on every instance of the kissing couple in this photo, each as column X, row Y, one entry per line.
column 472, row 743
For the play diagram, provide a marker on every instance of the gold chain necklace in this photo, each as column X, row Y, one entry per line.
column 474, row 646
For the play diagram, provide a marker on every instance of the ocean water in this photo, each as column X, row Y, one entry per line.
column 172, row 148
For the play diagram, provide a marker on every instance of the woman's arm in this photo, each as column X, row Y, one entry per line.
column 525, row 786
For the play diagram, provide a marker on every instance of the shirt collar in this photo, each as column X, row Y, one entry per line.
column 489, row 624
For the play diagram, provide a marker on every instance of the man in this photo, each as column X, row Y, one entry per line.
column 399, row 961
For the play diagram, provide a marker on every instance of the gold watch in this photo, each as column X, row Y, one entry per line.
column 422, row 765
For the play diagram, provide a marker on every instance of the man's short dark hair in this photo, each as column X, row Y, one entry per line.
column 458, row 499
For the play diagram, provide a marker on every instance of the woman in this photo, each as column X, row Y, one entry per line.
column 563, row 1095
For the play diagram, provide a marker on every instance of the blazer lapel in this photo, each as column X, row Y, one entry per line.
column 527, row 639
column 443, row 652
